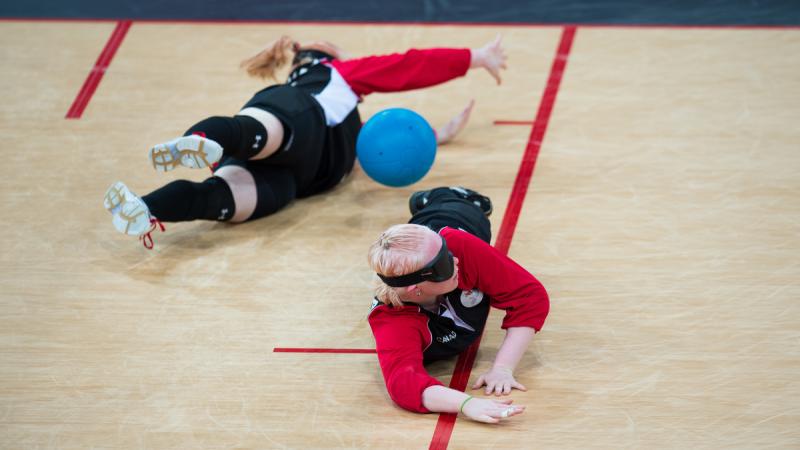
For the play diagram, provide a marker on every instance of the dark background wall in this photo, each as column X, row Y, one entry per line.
column 623, row 12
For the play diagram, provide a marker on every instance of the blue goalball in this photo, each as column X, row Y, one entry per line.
column 396, row 147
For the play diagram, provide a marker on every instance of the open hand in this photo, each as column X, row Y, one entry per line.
column 499, row 381
column 489, row 410
column 491, row 57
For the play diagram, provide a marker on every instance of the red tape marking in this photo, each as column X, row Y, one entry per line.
column 461, row 373
column 513, row 122
column 99, row 69
column 322, row 350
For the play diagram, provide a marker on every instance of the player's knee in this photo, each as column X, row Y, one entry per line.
column 276, row 189
column 243, row 188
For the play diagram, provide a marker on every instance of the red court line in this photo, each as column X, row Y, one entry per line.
column 503, row 241
column 321, row 350
column 513, row 122
column 461, row 373
column 99, row 69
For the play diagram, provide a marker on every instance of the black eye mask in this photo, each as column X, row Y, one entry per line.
column 439, row 269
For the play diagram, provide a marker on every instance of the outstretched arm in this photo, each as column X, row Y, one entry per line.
column 511, row 288
column 417, row 69
column 399, row 339
column 443, row 399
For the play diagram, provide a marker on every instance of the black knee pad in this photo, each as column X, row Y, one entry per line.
column 219, row 204
column 241, row 137
column 183, row 200
column 275, row 188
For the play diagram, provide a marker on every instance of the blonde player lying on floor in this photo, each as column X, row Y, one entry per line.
column 291, row 140
column 438, row 277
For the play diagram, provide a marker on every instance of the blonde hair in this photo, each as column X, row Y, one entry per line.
column 397, row 251
column 268, row 61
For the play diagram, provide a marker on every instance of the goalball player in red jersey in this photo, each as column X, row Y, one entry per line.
column 438, row 278
column 291, row 140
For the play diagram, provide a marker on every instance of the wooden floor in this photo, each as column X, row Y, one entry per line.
column 663, row 217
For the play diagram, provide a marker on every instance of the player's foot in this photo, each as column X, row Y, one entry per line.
column 129, row 213
column 194, row 152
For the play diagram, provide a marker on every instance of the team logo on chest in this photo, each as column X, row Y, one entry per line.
column 447, row 338
column 471, row 298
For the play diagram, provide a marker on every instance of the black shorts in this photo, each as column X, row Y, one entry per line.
column 304, row 121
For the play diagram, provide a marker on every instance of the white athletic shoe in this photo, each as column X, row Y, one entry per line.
column 194, row 152
column 130, row 214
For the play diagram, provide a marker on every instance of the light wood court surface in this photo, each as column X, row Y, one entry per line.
column 662, row 217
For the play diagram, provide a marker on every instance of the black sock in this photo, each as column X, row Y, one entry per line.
column 183, row 200
column 241, row 137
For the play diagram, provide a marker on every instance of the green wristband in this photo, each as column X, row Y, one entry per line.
column 461, row 410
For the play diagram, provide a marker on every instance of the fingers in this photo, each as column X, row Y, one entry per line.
column 468, row 110
column 496, row 75
column 492, row 411
column 515, row 411
column 495, row 387
column 460, row 121
column 487, row 419
column 498, row 40
column 498, row 385
column 512, row 384
column 497, row 47
column 507, row 411
column 449, row 131
column 502, row 388
column 498, row 388
column 500, row 58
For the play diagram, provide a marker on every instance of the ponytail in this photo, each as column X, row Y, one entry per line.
column 387, row 294
column 268, row 61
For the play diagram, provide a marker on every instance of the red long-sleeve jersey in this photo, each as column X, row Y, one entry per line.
column 397, row 72
column 407, row 337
